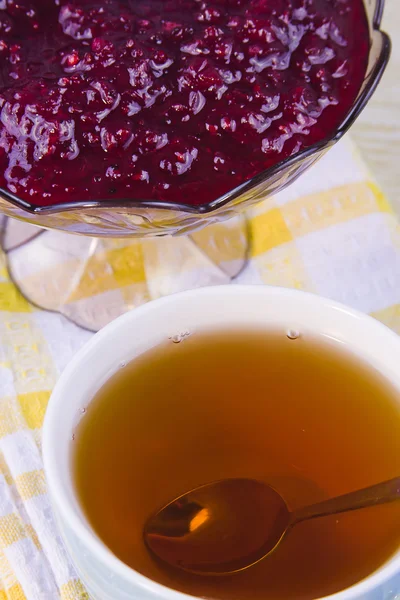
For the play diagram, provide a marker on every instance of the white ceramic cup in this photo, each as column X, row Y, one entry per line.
column 106, row 577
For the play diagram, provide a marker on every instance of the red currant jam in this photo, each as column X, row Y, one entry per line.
column 175, row 100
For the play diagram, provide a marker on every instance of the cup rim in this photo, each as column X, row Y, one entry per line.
column 81, row 526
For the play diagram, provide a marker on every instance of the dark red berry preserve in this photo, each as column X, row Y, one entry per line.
column 175, row 100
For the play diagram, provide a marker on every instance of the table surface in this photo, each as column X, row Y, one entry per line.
column 377, row 131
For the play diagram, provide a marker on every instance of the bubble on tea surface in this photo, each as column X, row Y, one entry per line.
column 122, row 364
column 293, row 334
column 83, row 410
column 179, row 337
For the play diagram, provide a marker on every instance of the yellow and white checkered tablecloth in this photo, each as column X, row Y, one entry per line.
column 332, row 233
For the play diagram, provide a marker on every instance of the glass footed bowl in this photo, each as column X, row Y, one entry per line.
column 130, row 218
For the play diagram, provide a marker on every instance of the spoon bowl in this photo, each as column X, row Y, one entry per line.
column 207, row 530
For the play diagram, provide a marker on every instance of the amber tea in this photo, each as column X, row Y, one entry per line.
column 301, row 413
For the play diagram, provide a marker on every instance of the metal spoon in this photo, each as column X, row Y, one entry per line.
column 230, row 525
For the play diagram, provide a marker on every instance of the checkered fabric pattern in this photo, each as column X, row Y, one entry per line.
column 332, row 233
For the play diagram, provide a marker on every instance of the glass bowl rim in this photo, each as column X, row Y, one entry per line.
column 228, row 197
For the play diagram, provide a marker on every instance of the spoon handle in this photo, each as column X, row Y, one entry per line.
column 381, row 493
